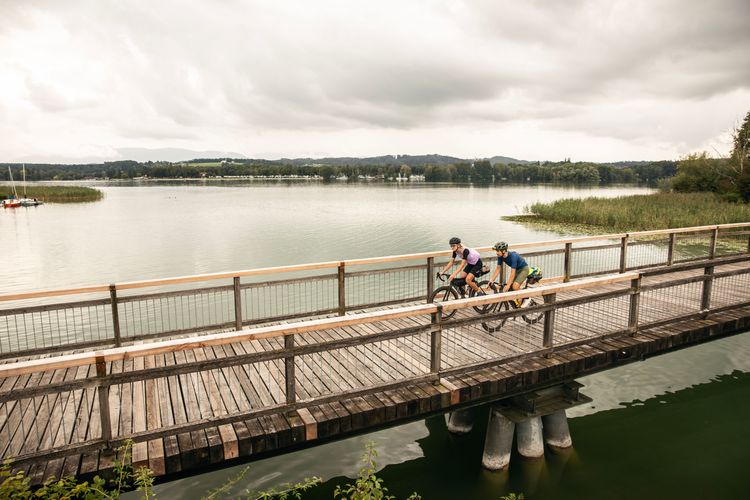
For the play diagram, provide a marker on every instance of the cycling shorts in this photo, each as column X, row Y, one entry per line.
column 474, row 269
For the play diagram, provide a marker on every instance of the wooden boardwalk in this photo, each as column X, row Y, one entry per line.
column 52, row 420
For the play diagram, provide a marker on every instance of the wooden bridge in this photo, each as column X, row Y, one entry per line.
column 200, row 376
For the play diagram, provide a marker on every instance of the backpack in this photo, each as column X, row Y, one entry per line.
column 535, row 275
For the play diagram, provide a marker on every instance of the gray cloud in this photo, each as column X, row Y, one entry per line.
column 206, row 75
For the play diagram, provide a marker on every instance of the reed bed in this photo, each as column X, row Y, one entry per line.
column 640, row 212
column 55, row 194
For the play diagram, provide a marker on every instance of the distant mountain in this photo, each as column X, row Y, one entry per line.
column 507, row 160
column 170, row 154
column 433, row 159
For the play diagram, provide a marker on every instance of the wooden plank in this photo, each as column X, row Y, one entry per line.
column 311, row 425
column 172, row 459
column 140, row 449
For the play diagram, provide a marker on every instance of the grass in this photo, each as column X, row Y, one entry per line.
column 637, row 213
column 56, row 194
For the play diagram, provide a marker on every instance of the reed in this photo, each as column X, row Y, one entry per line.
column 640, row 212
column 55, row 194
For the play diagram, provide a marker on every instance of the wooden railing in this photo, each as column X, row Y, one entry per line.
column 32, row 324
column 625, row 306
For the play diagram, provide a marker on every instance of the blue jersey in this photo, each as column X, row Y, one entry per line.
column 513, row 261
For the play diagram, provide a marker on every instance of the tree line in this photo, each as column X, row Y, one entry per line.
column 480, row 172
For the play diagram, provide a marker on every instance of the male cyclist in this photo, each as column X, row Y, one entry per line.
column 519, row 269
column 469, row 267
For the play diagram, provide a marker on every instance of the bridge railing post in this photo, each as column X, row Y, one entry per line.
column 289, row 376
column 567, row 264
column 342, row 289
column 670, row 249
column 103, row 396
column 115, row 314
column 549, row 321
column 707, row 287
column 430, row 276
column 624, row 254
column 436, row 338
column 712, row 243
column 635, row 304
column 237, row 304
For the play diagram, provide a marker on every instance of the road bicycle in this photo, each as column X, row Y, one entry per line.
column 456, row 289
column 533, row 317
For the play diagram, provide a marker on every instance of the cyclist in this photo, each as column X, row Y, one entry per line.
column 519, row 269
column 470, row 264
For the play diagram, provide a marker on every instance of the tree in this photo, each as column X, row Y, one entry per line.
column 483, row 172
column 741, row 149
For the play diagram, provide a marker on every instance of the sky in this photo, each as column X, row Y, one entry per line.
column 99, row 80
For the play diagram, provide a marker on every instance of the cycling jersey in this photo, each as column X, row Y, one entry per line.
column 470, row 255
column 513, row 260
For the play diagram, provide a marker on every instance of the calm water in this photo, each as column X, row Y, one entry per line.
column 673, row 426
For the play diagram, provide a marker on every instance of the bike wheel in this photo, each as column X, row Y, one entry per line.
column 533, row 317
column 444, row 294
column 493, row 325
column 485, row 308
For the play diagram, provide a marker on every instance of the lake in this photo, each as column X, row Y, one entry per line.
column 673, row 426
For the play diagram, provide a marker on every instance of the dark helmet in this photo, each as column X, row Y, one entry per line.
column 500, row 246
column 455, row 241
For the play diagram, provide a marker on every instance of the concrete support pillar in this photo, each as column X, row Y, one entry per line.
column 529, row 438
column 498, row 442
column 556, row 432
column 461, row 421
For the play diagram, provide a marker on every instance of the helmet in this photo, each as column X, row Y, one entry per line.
column 455, row 241
column 500, row 246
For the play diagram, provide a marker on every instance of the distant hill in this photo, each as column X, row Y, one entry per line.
column 412, row 161
column 171, row 154
column 507, row 160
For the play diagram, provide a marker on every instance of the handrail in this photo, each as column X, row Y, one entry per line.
column 352, row 262
column 149, row 349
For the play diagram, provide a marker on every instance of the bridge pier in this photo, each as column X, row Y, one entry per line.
column 556, row 431
column 498, row 442
column 535, row 418
column 529, row 438
column 461, row 421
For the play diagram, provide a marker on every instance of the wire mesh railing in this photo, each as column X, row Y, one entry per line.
column 32, row 325
column 77, row 403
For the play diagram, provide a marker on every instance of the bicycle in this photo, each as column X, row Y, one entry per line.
column 493, row 325
column 454, row 290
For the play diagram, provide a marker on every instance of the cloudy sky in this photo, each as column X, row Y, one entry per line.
column 591, row 80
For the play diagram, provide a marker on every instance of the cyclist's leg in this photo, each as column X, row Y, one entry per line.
column 520, row 277
column 472, row 283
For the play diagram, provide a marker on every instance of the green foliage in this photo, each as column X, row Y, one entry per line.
column 483, row 172
column 698, row 172
column 741, row 145
column 512, row 496
column 643, row 212
column 287, row 491
column 367, row 486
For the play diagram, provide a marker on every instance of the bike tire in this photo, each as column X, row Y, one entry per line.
column 444, row 294
column 493, row 325
column 485, row 308
column 533, row 318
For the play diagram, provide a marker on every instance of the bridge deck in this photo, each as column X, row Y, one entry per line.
column 151, row 404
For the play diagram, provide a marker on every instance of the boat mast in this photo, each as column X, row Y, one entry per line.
column 24, row 180
column 12, row 183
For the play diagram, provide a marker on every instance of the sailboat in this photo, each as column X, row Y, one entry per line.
column 13, row 201
column 27, row 202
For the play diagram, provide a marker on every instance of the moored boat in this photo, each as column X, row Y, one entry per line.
column 12, row 203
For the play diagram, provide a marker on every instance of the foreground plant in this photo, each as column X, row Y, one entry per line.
column 367, row 486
